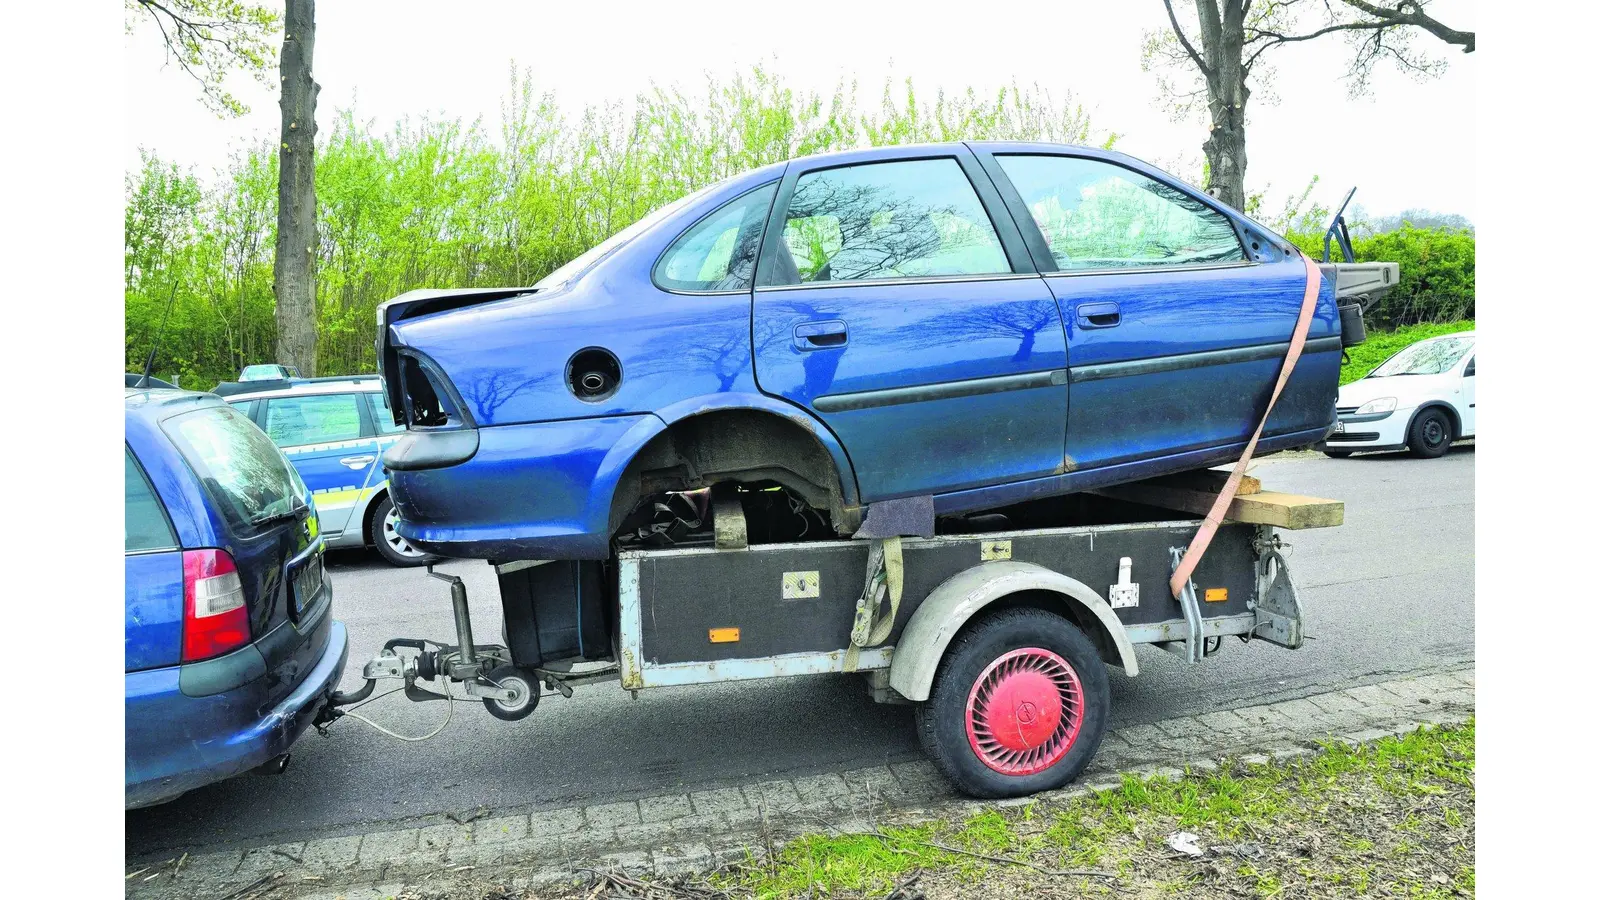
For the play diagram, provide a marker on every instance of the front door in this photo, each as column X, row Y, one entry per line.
column 1176, row 336
column 325, row 438
column 1469, row 399
column 889, row 306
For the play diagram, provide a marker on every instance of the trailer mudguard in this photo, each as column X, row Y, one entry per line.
column 960, row 597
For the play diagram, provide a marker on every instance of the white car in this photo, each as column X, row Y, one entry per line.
column 1421, row 399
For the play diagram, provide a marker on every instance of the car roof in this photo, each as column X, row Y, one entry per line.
column 155, row 404
column 344, row 384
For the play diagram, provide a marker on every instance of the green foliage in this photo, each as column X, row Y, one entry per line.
column 446, row 204
column 1437, row 271
column 1380, row 345
column 209, row 39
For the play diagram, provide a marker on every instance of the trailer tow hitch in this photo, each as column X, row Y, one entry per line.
column 484, row 670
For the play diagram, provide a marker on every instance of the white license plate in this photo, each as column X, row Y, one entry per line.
column 1338, row 428
column 308, row 583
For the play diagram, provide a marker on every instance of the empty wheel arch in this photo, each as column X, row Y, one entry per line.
column 749, row 446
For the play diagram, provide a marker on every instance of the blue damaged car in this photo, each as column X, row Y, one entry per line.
column 982, row 323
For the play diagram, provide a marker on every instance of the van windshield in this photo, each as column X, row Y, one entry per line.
column 245, row 474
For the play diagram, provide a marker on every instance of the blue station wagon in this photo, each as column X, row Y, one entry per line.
column 231, row 647
column 982, row 323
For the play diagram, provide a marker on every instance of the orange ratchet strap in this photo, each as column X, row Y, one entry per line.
column 1208, row 529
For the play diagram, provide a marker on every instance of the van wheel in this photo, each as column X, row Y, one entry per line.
column 394, row 549
column 1019, row 705
column 1430, row 434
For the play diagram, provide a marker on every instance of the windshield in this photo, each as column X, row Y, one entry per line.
column 248, row 478
column 260, row 373
column 1425, row 358
column 569, row 271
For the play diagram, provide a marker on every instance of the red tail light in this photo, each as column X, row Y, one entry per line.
column 215, row 620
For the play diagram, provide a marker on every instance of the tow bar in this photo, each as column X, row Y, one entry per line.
column 485, row 670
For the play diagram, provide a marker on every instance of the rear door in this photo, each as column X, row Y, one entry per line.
column 1175, row 335
column 328, row 438
column 153, row 576
column 893, row 304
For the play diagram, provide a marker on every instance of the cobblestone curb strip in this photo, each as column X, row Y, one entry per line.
column 688, row 833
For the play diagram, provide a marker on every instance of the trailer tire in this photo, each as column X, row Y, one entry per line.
column 1019, row 705
column 526, row 687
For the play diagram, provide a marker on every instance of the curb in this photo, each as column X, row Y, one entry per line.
column 689, row 834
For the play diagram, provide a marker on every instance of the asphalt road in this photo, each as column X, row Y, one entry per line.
column 1390, row 592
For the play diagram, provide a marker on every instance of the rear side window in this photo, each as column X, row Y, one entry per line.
column 382, row 416
column 313, row 419
column 245, row 475
column 1096, row 215
column 719, row 252
column 908, row 219
column 145, row 525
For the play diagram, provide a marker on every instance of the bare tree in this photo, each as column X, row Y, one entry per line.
column 294, row 263
column 1232, row 36
column 210, row 38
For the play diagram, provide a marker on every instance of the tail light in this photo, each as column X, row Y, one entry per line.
column 215, row 620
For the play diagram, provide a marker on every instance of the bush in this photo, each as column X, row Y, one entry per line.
column 1437, row 280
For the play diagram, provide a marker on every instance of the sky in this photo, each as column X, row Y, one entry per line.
column 1408, row 144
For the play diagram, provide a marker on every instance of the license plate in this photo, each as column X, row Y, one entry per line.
column 1338, row 428
column 308, row 583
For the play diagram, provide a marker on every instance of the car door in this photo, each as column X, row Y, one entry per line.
column 896, row 306
column 1469, row 398
column 1175, row 334
column 152, row 576
column 328, row 438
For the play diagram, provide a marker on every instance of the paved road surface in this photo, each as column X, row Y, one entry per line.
column 1390, row 592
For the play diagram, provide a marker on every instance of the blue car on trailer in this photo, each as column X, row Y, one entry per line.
column 230, row 646
column 982, row 323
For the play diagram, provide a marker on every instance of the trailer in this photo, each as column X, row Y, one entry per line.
column 998, row 628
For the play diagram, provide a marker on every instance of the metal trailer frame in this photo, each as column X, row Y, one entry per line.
column 707, row 615
column 950, row 580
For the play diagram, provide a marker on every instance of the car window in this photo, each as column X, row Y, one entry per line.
column 246, row 476
column 382, row 416
column 145, row 525
column 313, row 419
column 719, row 252
column 905, row 219
column 1096, row 215
column 1425, row 358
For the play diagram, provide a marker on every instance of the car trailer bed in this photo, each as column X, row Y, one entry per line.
column 1001, row 636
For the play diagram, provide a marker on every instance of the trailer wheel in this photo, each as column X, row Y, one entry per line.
column 525, row 699
column 1018, row 705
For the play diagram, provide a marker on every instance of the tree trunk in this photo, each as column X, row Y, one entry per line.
column 294, row 263
column 1225, row 157
column 1226, row 96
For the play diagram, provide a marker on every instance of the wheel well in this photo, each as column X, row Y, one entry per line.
column 1455, row 417
column 1063, row 606
column 367, row 536
column 732, row 445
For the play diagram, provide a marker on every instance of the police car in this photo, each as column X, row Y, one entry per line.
column 334, row 431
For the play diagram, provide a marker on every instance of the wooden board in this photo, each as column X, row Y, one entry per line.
column 1291, row 511
column 1210, row 480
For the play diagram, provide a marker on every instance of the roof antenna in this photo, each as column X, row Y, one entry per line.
column 150, row 361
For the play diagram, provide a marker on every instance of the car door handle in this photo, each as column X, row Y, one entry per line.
column 357, row 462
column 820, row 335
column 1099, row 315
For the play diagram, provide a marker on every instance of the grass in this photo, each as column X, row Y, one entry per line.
column 1394, row 818
column 1380, row 345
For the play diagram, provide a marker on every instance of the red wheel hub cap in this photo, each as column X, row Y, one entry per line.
column 1025, row 711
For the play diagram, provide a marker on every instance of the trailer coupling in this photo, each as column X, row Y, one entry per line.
column 485, row 671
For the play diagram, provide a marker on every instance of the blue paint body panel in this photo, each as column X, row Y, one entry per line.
column 178, row 740
column 978, row 391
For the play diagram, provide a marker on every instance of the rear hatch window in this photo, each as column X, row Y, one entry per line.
column 249, row 480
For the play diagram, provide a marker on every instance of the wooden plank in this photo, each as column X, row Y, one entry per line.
column 1209, row 480
column 1291, row 511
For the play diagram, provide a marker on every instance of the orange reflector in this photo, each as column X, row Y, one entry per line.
column 1216, row 595
column 724, row 635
